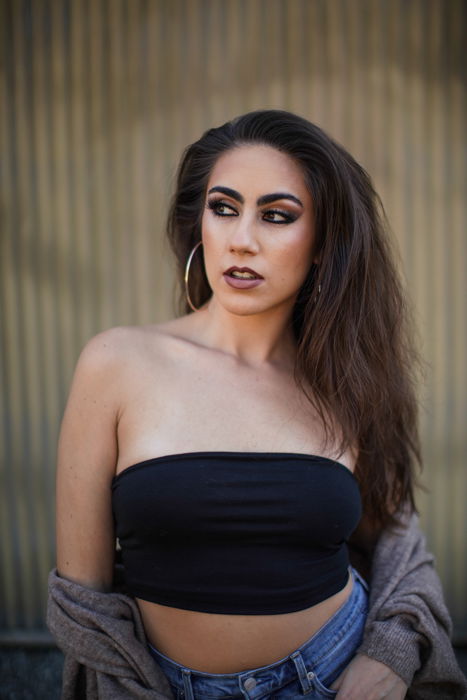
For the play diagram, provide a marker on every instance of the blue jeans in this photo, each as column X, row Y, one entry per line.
column 308, row 671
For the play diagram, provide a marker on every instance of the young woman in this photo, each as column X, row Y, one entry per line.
column 234, row 450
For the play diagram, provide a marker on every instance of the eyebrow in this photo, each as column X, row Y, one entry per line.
column 264, row 199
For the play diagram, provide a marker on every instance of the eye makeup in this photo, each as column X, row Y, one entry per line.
column 272, row 216
column 215, row 205
column 286, row 217
column 264, row 199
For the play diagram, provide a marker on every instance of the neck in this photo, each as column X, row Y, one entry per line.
column 254, row 339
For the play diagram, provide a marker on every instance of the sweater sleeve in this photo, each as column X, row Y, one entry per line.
column 103, row 640
column 408, row 626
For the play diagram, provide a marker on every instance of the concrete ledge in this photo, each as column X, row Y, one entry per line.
column 29, row 674
column 35, row 639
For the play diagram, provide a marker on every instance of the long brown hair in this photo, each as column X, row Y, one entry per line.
column 354, row 346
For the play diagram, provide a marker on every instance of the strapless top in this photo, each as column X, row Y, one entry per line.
column 236, row 532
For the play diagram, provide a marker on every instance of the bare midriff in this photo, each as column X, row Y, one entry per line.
column 216, row 643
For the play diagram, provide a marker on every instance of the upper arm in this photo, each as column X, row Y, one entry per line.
column 87, row 455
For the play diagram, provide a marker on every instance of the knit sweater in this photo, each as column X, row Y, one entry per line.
column 408, row 628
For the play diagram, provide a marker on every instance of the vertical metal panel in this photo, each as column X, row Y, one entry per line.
column 99, row 99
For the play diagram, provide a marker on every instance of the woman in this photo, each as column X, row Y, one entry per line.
column 234, row 450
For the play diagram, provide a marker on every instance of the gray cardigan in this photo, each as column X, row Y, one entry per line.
column 408, row 628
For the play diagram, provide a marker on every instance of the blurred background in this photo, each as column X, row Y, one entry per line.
column 98, row 100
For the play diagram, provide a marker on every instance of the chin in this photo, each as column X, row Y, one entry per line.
column 239, row 309
column 251, row 307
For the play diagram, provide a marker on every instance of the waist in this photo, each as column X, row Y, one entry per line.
column 220, row 643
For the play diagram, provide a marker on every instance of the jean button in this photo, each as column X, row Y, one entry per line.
column 250, row 683
column 310, row 675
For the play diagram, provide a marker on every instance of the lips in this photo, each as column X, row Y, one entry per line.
column 242, row 278
column 244, row 273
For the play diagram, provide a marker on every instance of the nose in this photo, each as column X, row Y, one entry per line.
column 242, row 238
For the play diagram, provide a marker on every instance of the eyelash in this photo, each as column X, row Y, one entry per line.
column 214, row 205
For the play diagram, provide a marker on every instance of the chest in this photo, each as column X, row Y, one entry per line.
column 241, row 498
column 197, row 403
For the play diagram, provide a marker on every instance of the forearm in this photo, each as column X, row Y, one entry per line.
column 408, row 626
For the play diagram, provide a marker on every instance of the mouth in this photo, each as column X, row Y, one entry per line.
column 242, row 278
column 243, row 273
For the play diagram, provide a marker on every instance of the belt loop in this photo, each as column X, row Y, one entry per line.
column 305, row 676
column 187, row 685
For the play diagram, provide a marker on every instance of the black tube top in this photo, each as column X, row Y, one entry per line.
column 236, row 532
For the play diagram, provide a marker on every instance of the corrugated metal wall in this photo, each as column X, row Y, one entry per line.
column 98, row 99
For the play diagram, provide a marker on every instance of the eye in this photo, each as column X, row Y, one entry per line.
column 276, row 216
column 221, row 208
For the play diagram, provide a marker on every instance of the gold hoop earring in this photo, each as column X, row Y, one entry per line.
column 187, row 272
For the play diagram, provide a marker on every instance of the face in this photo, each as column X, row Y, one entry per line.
column 257, row 229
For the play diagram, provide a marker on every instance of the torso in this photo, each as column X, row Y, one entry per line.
column 179, row 396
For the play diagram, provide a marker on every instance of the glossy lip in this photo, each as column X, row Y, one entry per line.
column 244, row 269
column 242, row 283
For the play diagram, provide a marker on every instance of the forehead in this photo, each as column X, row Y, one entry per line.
column 260, row 167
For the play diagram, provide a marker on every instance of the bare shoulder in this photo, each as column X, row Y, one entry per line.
column 113, row 344
column 183, row 328
column 118, row 347
column 120, row 352
column 164, row 341
column 101, row 371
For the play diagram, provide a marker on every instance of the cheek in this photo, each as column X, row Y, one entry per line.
column 306, row 248
column 211, row 243
column 212, row 246
column 210, row 230
column 296, row 255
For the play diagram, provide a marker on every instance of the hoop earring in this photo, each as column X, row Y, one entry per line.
column 187, row 272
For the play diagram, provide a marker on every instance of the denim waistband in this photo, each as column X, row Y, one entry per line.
column 319, row 660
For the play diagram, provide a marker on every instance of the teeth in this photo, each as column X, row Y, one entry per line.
column 242, row 275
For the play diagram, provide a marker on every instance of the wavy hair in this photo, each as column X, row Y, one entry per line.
column 354, row 342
